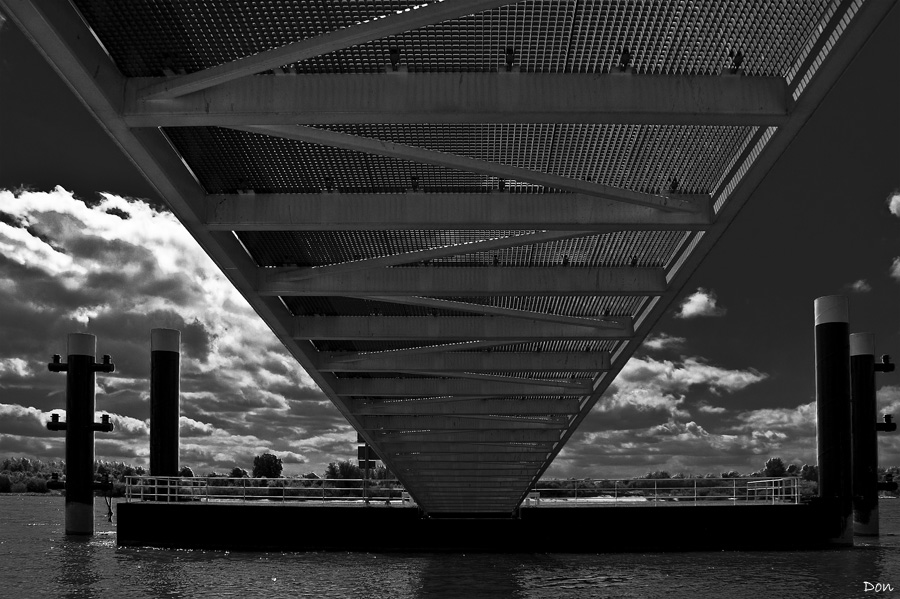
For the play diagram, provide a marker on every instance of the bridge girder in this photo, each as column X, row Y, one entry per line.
column 594, row 223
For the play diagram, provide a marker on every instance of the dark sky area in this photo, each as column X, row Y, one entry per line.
column 719, row 391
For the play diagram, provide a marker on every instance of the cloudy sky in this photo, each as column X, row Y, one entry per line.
column 724, row 382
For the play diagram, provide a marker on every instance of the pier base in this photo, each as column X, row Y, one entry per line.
column 281, row 527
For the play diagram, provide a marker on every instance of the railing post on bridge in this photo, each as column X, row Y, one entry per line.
column 833, row 417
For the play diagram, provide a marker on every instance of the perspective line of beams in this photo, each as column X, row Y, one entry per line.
column 361, row 33
column 401, row 422
column 497, row 440
column 475, row 281
column 410, row 387
column 426, row 255
column 471, row 407
column 419, row 210
column 622, row 323
column 429, row 328
column 465, row 362
column 466, row 98
column 463, row 163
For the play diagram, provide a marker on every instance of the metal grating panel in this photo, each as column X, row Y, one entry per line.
column 642, row 158
column 319, row 248
column 638, row 157
column 151, row 37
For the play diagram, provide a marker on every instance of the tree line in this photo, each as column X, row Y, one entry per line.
column 25, row 475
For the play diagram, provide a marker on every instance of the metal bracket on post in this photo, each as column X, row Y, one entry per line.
column 55, row 424
column 886, row 365
column 888, row 426
column 104, row 426
column 106, row 365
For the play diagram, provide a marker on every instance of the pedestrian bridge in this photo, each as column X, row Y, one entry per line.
column 462, row 217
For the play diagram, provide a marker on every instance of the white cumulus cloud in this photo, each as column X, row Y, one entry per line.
column 860, row 286
column 893, row 202
column 700, row 303
column 663, row 341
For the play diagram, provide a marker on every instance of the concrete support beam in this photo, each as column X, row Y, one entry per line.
column 390, row 149
column 444, row 327
column 465, row 98
column 421, row 210
column 465, row 362
column 416, row 387
column 498, row 280
column 390, row 23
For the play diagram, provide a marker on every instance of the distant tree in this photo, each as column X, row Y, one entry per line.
column 381, row 473
column 774, row 467
column 793, row 470
column 5, row 484
column 186, row 472
column 810, row 473
column 658, row 474
column 267, row 465
column 731, row 474
column 343, row 469
column 238, row 472
column 36, row 485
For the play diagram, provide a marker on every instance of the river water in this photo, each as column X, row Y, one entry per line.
column 37, row 560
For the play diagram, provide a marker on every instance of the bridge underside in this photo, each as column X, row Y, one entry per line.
column 462, row 219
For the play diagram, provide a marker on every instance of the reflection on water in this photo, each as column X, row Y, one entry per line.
column 37, row 559
column 78, row 576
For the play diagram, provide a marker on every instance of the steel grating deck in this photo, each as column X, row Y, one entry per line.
column 461, row 217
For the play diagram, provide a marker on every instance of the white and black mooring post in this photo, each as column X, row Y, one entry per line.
column 865, row 428
column 165, row 398
column 865, row 443
column 833, row 416
column 80, row 368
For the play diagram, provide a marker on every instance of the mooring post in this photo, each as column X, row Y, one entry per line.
column 865, row 443
column 80, row 369
column 833, row 415
column 165, row 398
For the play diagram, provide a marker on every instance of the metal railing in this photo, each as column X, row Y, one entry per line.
column 322, row 490
column 660, row 491
column 570, row 492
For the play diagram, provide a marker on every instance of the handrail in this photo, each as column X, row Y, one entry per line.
column 217, row 488
column 658, row 491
